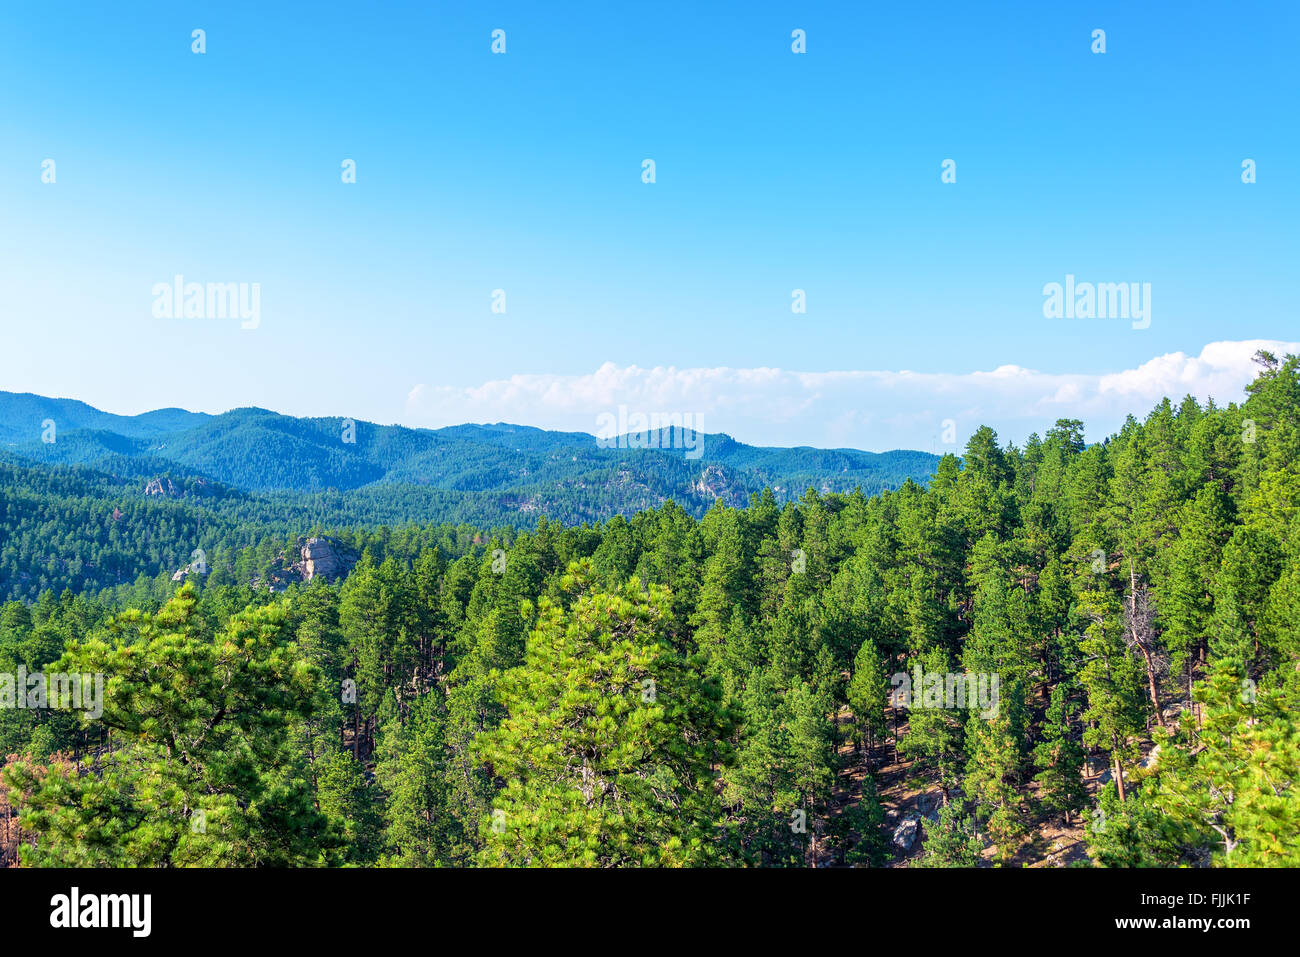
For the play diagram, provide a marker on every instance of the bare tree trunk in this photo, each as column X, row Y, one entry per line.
column 1141, row 641
column 1200, row 712
column 1151, row 685
column 1119, row 770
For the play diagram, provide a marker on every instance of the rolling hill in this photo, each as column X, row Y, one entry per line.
column 114, row 497
column 257, row 450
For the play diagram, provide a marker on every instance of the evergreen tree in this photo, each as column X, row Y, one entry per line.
column 1059, row 756
column 609, row 741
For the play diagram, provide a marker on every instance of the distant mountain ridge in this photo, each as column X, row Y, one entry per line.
column 528, row 471
column 22, row 415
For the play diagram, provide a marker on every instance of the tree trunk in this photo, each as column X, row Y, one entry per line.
column 1140, row 641
column 1151, row 685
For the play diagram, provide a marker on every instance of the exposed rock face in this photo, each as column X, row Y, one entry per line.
column 196, row 569
column 906, row 832
column 713, row 483
column 1150, row 761
column 321, row 557
column 181, row 576
column 324, row 557
column 927, row 806
column 160, row 486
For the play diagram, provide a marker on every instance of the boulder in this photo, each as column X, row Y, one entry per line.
column 905, row 834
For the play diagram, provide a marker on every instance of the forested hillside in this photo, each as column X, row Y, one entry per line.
column 93, row 501
column 762, row 685
column 261, row 451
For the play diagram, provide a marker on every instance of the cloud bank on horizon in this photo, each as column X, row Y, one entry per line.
column 866, row 409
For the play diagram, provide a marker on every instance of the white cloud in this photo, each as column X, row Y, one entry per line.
column 860, row 409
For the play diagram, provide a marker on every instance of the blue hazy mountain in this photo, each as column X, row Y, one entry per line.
column 528, row 471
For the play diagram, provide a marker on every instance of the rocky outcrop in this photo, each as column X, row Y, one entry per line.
column 325, row 558
column 193, row 570
column 927, row 806
column 307, row 559
column 714, row 483
column 161, row 486
column 303, row 561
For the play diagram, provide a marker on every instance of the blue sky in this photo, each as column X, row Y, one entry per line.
column 522, row 172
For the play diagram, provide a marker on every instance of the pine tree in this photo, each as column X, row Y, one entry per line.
column 861, row 829
column 953, row 841
column 996, row 745
column 1237, row 780
column 1059, row 755
column 935, row 733
column 867, row 693
column 206, row 775
column 411, row 768
column 350, row 802
column 1113, row 683
column 609, row 741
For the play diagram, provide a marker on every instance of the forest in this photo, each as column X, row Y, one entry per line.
column 728, row 688
column 92, row 501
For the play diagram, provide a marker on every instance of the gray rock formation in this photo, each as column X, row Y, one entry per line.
column 905, row 834
column 160, row 486
column 326, row 558
column 927, row 805
column 1153, row 756
column 714, row 483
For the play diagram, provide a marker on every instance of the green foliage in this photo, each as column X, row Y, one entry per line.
column 685, row 684
column 205, row 774
column 1059, row 756
column 952, row 841
column 608, row 743
column 1232, row 783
